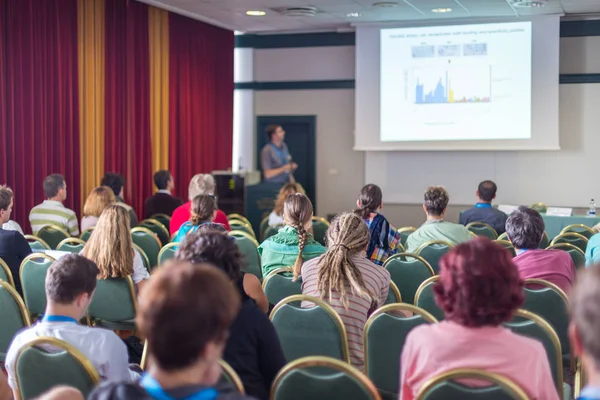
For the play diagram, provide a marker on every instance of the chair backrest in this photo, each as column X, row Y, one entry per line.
column 167, row 252
column 582, row 229
column 425, row 299
column 271, row 231
column 6, row 274
column 33, row 281
column 539, row 207
column 577, row 255
column 394, row 295
column 482, row 229
column 433, row 251
column 318, row 378
column 85, row 235
column 230, row 376
column 320, row 226
column 573, row 238
column 503, row 236
column 279, row 285
column 52, row 235
column 148, row 242
column 239, row 217
column 444, row 386
column 36, row 244
column 545, row 242
column 263, row 227
column 144, row 257
column 114, row 300
column 317, row 330
column 13, row 314
column 237, row 225
column 405, row 233
column 72, row 245
column 408, row 272
column 385, row 334
column 247, row 245
column 164, row 219
column 157, row 228
column 46, row 362
column 508, row 246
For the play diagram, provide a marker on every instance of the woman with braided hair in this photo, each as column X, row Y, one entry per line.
column 293, row 244
column 346, row 280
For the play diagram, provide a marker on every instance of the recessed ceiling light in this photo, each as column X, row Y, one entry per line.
column 255, row 13
column 386, row 4
column 441, row 10
column 353, row 15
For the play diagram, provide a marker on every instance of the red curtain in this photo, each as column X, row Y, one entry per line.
column 200, row 99
column 127, row 99
column 39, row 111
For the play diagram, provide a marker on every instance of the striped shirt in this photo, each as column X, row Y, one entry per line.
column 377, row 280
column 52, row 212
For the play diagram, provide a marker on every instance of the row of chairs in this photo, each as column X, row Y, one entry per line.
column 319, row 225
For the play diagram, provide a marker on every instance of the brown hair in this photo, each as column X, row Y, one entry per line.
column 202, row 294
column 585, row 310
column 110, row 245
column 436, row 200
column 97, row 201
column 369, row 200
column 70, row 276
column 203, row 208
column 287, row 190
column 6, row 196
column 297, row 212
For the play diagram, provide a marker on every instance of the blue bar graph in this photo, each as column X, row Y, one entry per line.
column 445, row 92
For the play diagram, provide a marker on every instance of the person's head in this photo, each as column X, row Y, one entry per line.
column 71, row 281
column 297, row 213
column 211, row 227
column 208, row 302
column 370, row 200
column 55, row 187
column 436, row 200
column 114, row 181
column 6, row 204
column 525, row 228
column 275, row 133
column 97, row 201
column 201, row 184
column 287, row 190
column 486, row 192
column 585, row 319
column 212, row 247
column 110, row 245
column 204, row 208
column 479, row 285
column 164, row 180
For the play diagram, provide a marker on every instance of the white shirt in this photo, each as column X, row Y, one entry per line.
column 12, row 226
column 139, row 271
column 102, row 347
column 275, row 219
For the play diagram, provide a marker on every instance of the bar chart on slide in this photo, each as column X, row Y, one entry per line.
column 453, row 85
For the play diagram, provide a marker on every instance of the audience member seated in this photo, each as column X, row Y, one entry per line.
column 351, row 284
column 97, row 201
column 162, row 202
column 292, row 244
column 110, row 246
column 483, row 210
column 435, row 228
column 200, row 184
column 592, row 251
column 384, row 239
column 70, row 285
column 52, row 211
column 479, row 289
column 13, row 246
column 204, row 209
column 276, row 216
column 525, row 230
column 117, row 183
column 253, row 348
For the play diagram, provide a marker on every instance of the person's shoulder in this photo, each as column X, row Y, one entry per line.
column 117, row 391
column 423, row 334
column 523, row 344
column 467, row 213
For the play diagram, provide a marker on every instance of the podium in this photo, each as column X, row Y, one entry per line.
column 231, row 189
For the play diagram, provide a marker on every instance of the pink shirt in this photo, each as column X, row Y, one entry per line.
column 433, row 349
column 555, row 266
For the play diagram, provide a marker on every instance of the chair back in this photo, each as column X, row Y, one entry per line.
column 263, row 227
column 539, row 207
column 148, row 242
column 317, row 330
column 482, row 229
column 271, row 231
column 237, row 225
column 157, row 228
column 508, row 246
column 433, row 251
column 85, row 235
column 13, row 314
column 6, row 274
column 503, row 236
column 545, row 242
column 575, row 252
column 46, row 362
column 167, row 252
column 425, row 298
column 582, row 229
column 573, row 238
column 408, row 271
column 33, row 281
column 385, row 334
column 239, row 217
column 228, row 375
column 36, row 244
column 52, row 235
column 321, row 378
column 164, row 219
column 114, row 304
column 72, row 245
column 320, row 226
column 279, row 285
column 247, row 245
column 445, row 386
column 394, row 295
column 405, row 233
column 144, row 257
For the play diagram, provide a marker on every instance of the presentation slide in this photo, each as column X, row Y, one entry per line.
column 461, row 82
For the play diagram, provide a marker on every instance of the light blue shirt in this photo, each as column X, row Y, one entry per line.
column 592, row 251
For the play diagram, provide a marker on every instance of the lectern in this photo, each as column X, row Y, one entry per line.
column 231, row 189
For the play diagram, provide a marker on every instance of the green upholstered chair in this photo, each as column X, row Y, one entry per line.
column 394, row 295
column 36, row 244
column 6, row 274
column 85, row 235
column 13, row 314
column 237, row 225
column 148, row 242
column 508, row 246
column 313, row 331
column 158, row 229
column 72, row 245
column 482, row 229
column 503, row 236
column 573, row 238
column 114, row 304
column 577, row 255
column 167, row 252
column 279, row 285
column 238, row 217
column 33, row 281
column 433, row 251
column 52, row 235
column 228, row 375
column 320, row 226
column 424, row 298
column 46, row 362
column 385, row 334
column 322, row 378
column 247, row 245
column 545, row 241
column 405, row 233
column 583, row 230
column 164, row 219
column 539, row 207
column 444, row 387
column 271, row 231
column 264, row 224
column 408, row 271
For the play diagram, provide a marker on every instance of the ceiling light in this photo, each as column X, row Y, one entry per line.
column 353, row 15
column 529, row 3
column 441, row 10
column 386, row 4
column 255, row 13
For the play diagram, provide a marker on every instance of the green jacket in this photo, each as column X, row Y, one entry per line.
column 281, row 250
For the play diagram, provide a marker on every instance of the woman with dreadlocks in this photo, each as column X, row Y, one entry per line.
column 346, row 280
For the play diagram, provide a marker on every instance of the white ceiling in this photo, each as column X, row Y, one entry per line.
column 332, row 13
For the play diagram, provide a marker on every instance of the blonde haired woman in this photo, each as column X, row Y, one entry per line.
column 345, row 279
column 111, row 247
column 97, row 201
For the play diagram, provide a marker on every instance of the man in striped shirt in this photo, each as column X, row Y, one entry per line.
column 52, row 211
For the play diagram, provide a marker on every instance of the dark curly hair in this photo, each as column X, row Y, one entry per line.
column 214, row 248
column 479, row 285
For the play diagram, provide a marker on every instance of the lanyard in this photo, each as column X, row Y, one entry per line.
column 483, row 205
column 281, row 153
column 153, row 388
column 58, row 318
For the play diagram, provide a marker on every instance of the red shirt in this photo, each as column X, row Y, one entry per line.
column 182, row 214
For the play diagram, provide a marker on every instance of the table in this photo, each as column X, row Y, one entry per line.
column 555, row 224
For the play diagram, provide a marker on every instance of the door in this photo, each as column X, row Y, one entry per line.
column 300, row 138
